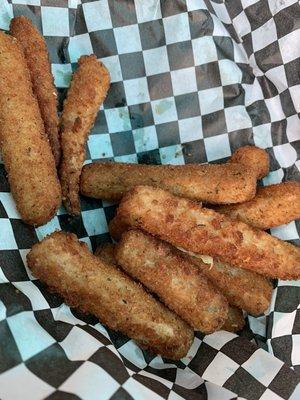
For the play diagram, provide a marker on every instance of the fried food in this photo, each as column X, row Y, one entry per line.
column 186, row 225
column 242, row 288
column 213, row 183
column 253, row 158
column 36, row 55
column 106, row 252
column 116, row 228
column 176, row 281
column 87, row 92
column 235, row 321
column 93, row 286
column 234, row 182
column 25, row 148
column 272, row 206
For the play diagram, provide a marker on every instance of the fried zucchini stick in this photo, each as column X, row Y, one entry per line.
column 93, row 286
column 235, row 321
column 253, row 158
column 186, row 225
column 245, row 289
column 36, row 55
column 87, row 92
column 213, row 183
column 242, row 288
column 272, row 206
column 25, row 148
column 178, row 283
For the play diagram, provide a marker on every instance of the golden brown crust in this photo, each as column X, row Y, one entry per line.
column 235, row 321
column 213, row 183
column 87, row 92
column 242, row 288
column 85, row 282
column 106, row 252
column 184, row 224
column 36, row 55
column 176, row 281
column 272, row 206
column 253, row 158
column 25, row 149
column 116, row 228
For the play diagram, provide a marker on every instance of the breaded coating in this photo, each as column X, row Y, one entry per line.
column 211, row 183
column 185, row 224
column 93, row 286
column 116, row 228
column 235, row 321
column 36, row 55
column 87, row 92
column 176, row 281
column 243, row 288
column 272, row 206
column 25, row 148
column 106, row 252
column 253, row 158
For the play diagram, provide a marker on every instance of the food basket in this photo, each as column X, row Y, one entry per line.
column 192, row 81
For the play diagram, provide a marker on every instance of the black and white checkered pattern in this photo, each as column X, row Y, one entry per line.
column 192, row 80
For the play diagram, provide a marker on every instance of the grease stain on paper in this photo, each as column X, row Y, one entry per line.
column 163, row 106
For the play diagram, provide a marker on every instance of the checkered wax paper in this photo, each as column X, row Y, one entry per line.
column 191, row 82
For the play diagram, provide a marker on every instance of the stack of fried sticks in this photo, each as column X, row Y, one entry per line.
column 204, row 265
column 178, row 266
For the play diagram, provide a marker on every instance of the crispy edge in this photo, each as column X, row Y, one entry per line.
column 37, row 58
column 235, row 321
column 88, row 89
column 116, row 227
column 253, row 158
column 273, row 205
column 106, row 252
